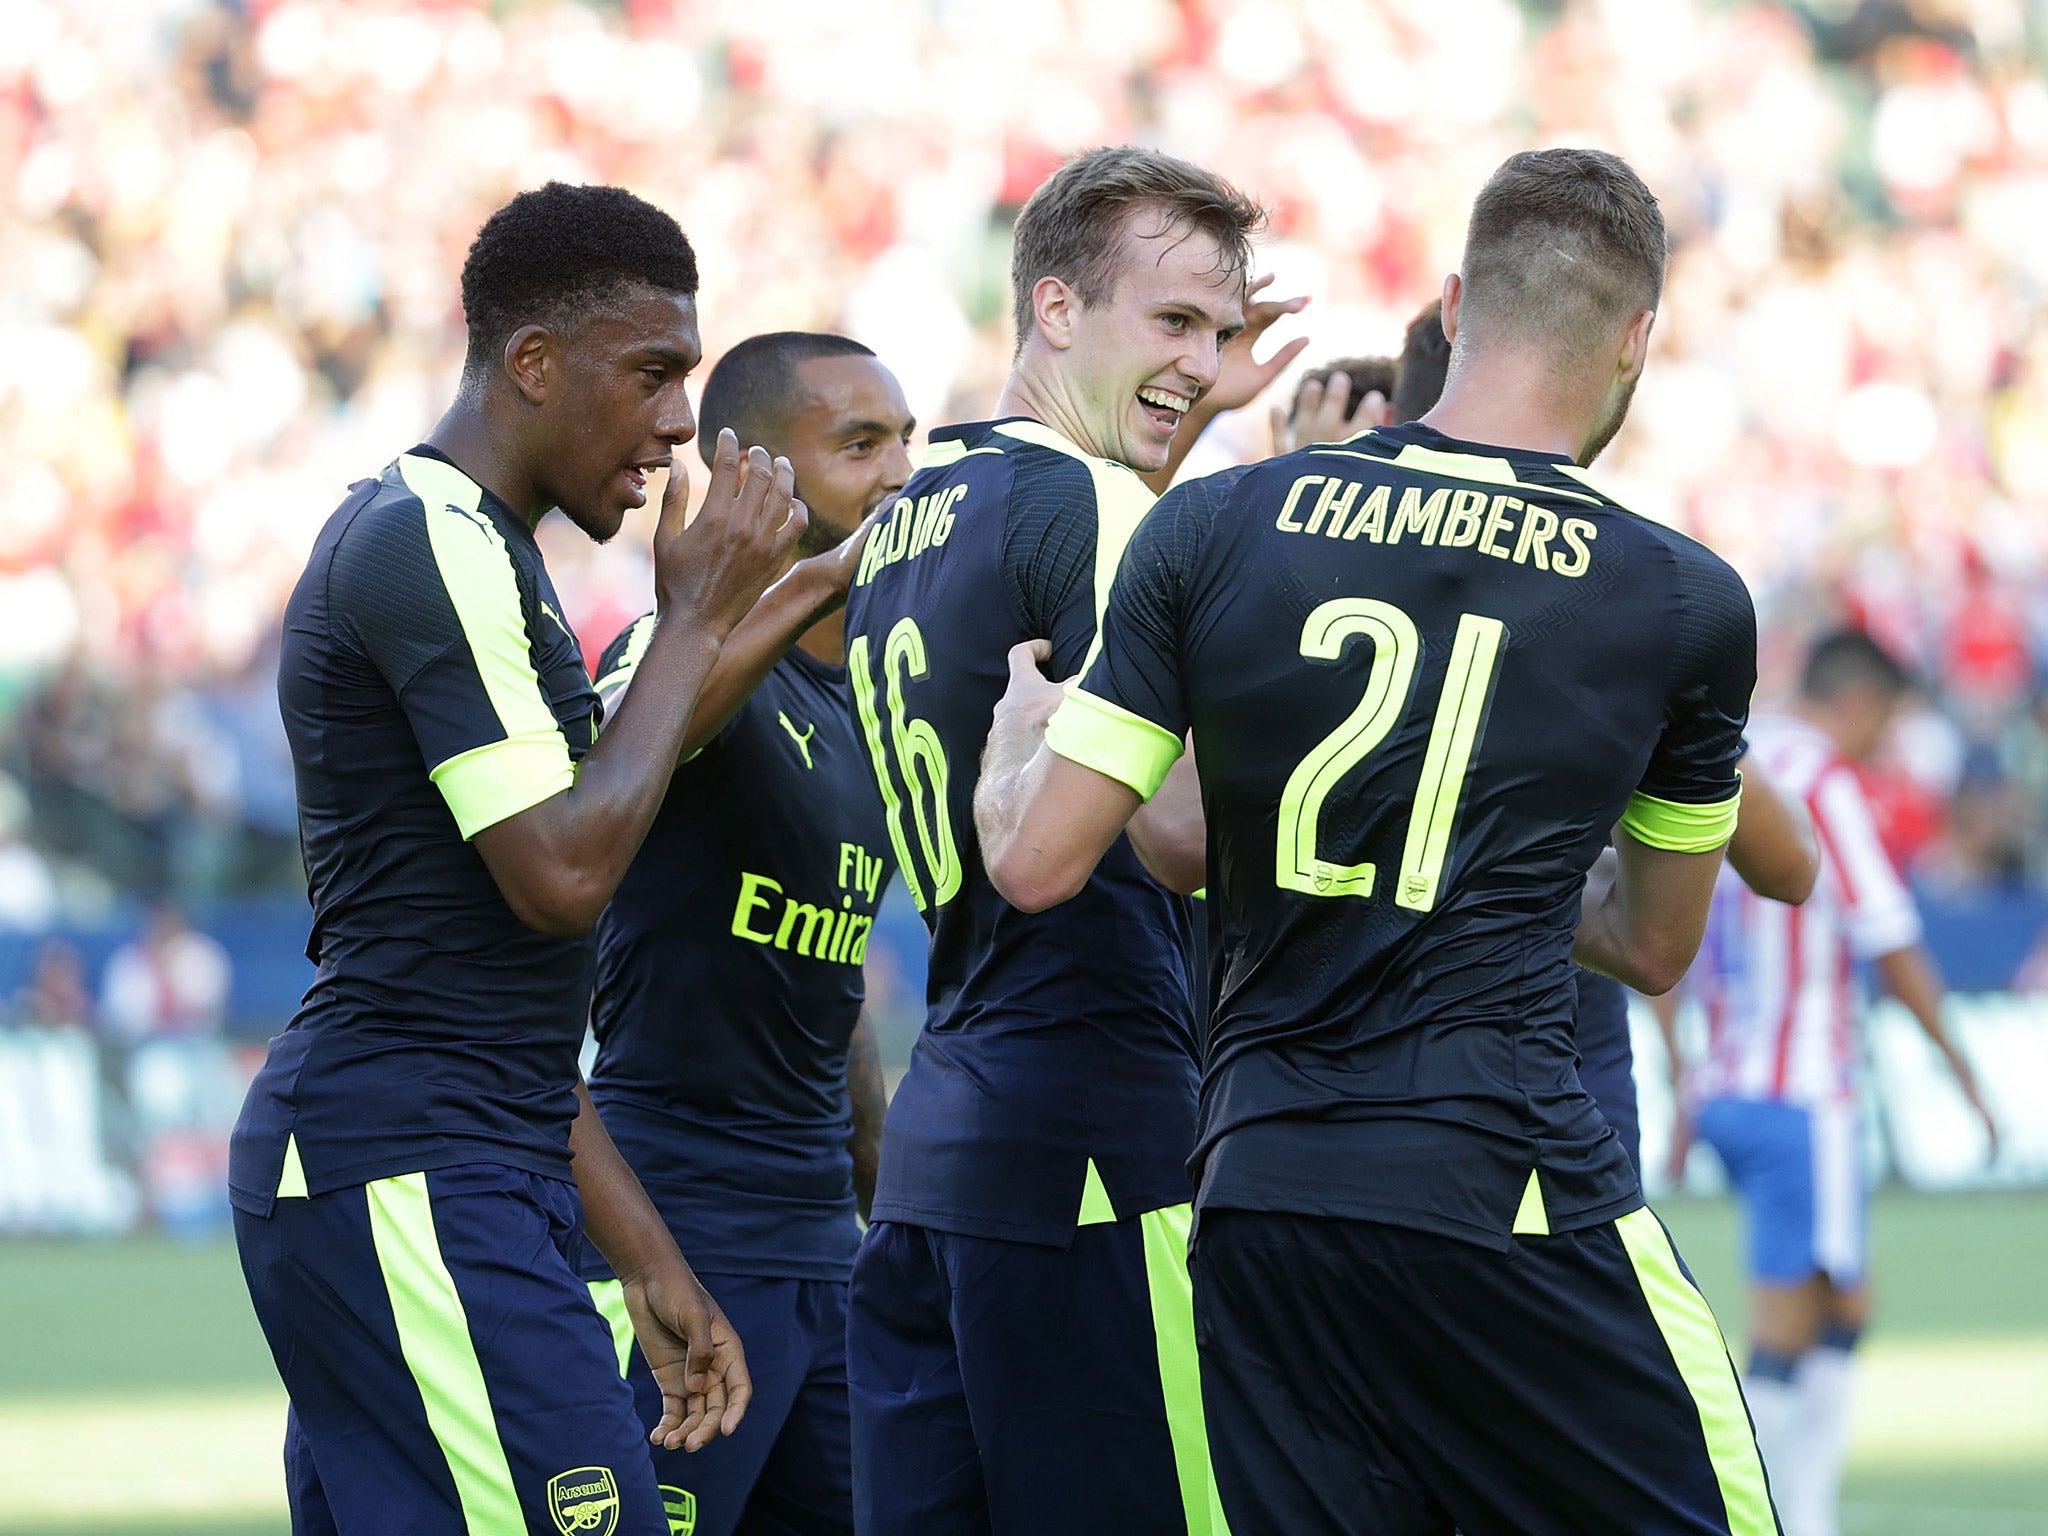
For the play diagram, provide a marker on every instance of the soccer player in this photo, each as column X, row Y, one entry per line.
column 407, row 1207
column 1426, row 671
column 1020, row 1340
column 733, row 1068
column 1778, row 1095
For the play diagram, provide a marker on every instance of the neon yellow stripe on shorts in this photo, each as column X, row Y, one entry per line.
column 1180, row 1373
column 433, row 1333
column 1701, row 1355
column 609, row 1297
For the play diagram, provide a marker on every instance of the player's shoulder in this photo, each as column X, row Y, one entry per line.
column 621, row 658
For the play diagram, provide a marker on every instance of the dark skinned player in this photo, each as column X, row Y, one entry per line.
column 407, row 1207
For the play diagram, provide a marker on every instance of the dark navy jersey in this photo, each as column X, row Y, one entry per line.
column 729, row 977
column 430, row 689
column 1057, row 1057
column 1425, row 679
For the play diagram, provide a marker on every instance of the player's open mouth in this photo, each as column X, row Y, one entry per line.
column 1163, row 407
column 636, row 479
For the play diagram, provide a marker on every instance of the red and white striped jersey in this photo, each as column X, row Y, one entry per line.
column 1778, row 983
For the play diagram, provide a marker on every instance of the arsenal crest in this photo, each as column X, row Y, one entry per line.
column 584, row 1501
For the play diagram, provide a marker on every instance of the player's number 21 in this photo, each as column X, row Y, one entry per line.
column 919, row 757
column 1396, row 647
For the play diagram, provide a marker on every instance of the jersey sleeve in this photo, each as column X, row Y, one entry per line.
column 1879, row 914
column 432, row 598
column 1689, row 794
column 1127, row 718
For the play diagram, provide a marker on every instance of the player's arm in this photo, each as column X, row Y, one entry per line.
column 1664, row 1009
column 1774, row 848
column 1240, row 378
column 1645, row 928
column 1170, row 833
column 812, row 589
column 1044, row 821
column 1909, row 974
column 869, row 1097
column 558, row 861
column 695, row 1356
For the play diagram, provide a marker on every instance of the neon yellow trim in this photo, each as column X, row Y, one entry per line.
column 476, row 568
column 433, row 1334
column 1578, row 473
column 1481, row 469
column 1468, row 684
column 291, row 1180
column 944, row 451
column 609, row 1297
column 1532, row 1219
column 1121, row 502
column 1112, row 740
column 871, row 731
column 486, row 784
column 1701, row 1355
column 1180, row 1375
column 680, row 1505
column 1095, row 1207
column 612, row 686
column 1681, row 828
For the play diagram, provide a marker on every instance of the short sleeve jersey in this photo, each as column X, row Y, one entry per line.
column 1054, row 1080
column 430, row 689
column 1425, row 679
column 729, row 977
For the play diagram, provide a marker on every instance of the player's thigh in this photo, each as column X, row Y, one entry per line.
column 1575, row 1385
column 448, row 1370
column 1295, row 1406
column 304, row 1495
column 1767, row 1148
column 916, row 1468
column 1841, row 1193
column 1060, row 1354
column 806, row 1485
column 705, row 1492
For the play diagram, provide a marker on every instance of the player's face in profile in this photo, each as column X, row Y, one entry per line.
column 849, row 444
column 615, row 407
column 1147, row 352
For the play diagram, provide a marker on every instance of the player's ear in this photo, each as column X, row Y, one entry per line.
column 1454, row 292
column 531, row 359
column 1055, row 308
column 1635, row 343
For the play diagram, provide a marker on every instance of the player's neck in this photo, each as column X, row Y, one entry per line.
column 466, row 435
column 826, row 640
column 1038, row 391
column 1514, row 401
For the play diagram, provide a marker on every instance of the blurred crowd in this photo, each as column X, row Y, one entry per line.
column 233, row 234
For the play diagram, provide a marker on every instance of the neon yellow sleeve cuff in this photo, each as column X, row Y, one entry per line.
column 1678, row 828
column 486, row 784
column 1113, row 741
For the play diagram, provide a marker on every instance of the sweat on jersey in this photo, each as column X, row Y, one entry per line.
column 1425, row 679
column 1779, row 983
column 1054, row 1081
column 430, row 689
column 729, row 978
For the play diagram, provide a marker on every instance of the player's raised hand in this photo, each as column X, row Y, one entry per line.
column 695, row 1356
column 1241, row 378
column 717, row 564
column 1322, row 414
column 837, row 565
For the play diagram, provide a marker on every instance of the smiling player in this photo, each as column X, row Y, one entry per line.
column 1020, row 1345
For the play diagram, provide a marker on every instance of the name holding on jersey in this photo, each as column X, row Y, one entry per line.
column 1493, row 523
column 837, row 935
column 913, row 528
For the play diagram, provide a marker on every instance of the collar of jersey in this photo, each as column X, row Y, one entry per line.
column 499, row 512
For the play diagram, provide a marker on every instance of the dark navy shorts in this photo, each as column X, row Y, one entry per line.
column 788, row 1469
column 1362, row 1377
column 1606, row 1058
column 1008, row 1387
column 447, row 1370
